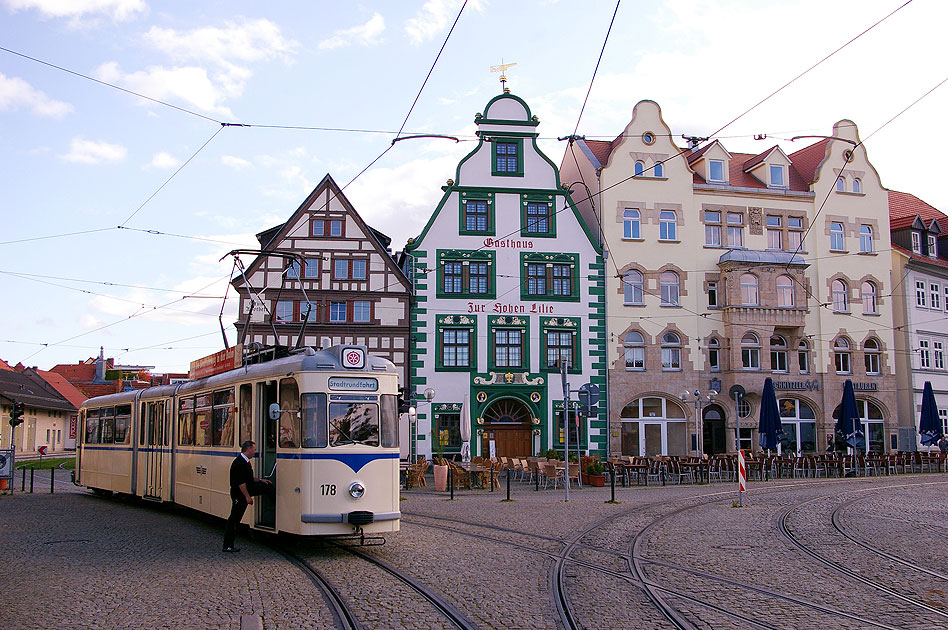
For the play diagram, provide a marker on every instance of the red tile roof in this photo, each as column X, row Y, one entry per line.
column 66, row 389
column 806, row 160
column 75, row 372
column 904, row 207
column 5, row 366
column 938, row 262
column 92, row 391
column 602, row 149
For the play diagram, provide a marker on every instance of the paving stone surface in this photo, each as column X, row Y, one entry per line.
column 75, row 560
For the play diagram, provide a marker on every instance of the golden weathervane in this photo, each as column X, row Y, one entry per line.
column 502, row 69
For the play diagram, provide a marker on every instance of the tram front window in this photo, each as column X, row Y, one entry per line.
column 353, row 422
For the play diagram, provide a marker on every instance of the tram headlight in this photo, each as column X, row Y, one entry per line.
column 356, row 490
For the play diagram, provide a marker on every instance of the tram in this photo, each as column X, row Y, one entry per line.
column 326, row 427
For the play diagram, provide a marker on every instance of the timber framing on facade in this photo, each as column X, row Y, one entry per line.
column 507, row 280
column 326, row 268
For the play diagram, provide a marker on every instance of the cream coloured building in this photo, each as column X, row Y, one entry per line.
column 725, row 268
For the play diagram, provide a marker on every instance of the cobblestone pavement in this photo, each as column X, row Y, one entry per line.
column 78, row 561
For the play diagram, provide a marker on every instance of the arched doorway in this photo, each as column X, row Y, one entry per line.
column 508, row 425
column 713, row 430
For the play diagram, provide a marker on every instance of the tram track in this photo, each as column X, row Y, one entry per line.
column 343, row 616
column 786, row 532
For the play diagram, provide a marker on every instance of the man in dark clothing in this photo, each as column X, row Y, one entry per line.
column 243, row 487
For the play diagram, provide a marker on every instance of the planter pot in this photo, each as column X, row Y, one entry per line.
column 596, row 481
column 441, row 478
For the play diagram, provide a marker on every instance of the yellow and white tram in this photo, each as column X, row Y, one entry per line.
column 326, row 427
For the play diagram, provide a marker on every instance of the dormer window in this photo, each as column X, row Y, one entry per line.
column 916, row 242
column 932, row 246
column 716, row 171
column 777, row 176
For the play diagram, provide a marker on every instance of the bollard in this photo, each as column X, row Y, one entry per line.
column 451, row 481
column 536, row 478
column 23, row 482
column 490, row 477
column 31, row 480
column 52, row 477
column 612, row 478
column 508, row 484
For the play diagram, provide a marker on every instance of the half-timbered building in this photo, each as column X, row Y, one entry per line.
column 325, row 273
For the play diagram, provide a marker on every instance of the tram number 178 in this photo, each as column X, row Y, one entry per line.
column 328, row 489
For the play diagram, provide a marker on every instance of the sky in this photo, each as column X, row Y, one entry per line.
column 79, row 158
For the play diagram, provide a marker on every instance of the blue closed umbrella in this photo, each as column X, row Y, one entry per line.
column 769, row 427
column 929, row 426
column 848, row 426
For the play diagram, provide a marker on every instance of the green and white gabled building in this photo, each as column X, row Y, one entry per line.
column 506, row 278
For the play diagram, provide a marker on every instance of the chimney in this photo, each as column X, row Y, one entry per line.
column 100, row 366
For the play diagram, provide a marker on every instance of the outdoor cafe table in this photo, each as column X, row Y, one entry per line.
column 639, row 469
column 476, row 470
column 699, row 470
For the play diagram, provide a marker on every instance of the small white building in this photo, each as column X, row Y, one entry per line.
column 507, row 281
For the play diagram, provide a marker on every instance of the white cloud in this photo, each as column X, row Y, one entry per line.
column 234, row 162
column 89, row 152
column 119, row 10
column 251, row 40
column 367, row 34
column 433, row 18
column 16, row 93
column 189, row 84
column 164, row 161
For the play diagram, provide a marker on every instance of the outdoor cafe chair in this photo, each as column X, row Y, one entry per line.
column 415, row 475
column 551, row 473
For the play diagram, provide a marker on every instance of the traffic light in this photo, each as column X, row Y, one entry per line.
column 16, row 414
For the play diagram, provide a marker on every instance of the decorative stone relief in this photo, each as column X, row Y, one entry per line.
column 755, row 219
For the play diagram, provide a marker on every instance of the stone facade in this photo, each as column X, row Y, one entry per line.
column 726, row 268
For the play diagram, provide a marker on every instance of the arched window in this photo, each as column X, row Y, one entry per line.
column 659, row 169
column 630, row 224
column 714, row 355
column 872, row 352
column 667, row 223
column 670, row 292
column 840, row 297
column 750, row 352
column 671, row 352
column 842, row 356
column 803, row 357
column 633, row 287
column 870, row 302
column 778, row 354
column 840, row 184
column 785, row 291
column 837, row 239
column 750, row 294
column 634, row 351
column 857, row 186
column 639, row 168
column 865, row 239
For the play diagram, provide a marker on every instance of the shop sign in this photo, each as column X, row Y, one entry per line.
column 797, row 386
column 509, row 308
column 866, row 387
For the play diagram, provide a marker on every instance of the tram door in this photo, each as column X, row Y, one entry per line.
column 153, row 430
column 266, row 451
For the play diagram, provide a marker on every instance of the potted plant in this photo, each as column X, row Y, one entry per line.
column 440, row 472
column 593, row 475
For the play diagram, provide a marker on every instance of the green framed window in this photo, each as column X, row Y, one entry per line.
column 560, row 338
column 538, row 215
column 466, row 274
column 507, row 157
column 476, row 213
column 576, row 435
column 509, row 343
column 457, row 343
column 549, row 276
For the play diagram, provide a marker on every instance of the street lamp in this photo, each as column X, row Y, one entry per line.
column 699, row 400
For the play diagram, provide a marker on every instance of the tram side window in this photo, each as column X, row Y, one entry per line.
column 186, row 422
column 123, row 422
column 143, row 422
column 92, row 426
column 389, row 421
column 202, row 420
column 314, row 421
column 353, row 423
column 224, row 418
column 290, row 416
column 246, row 414
column 107, row 425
